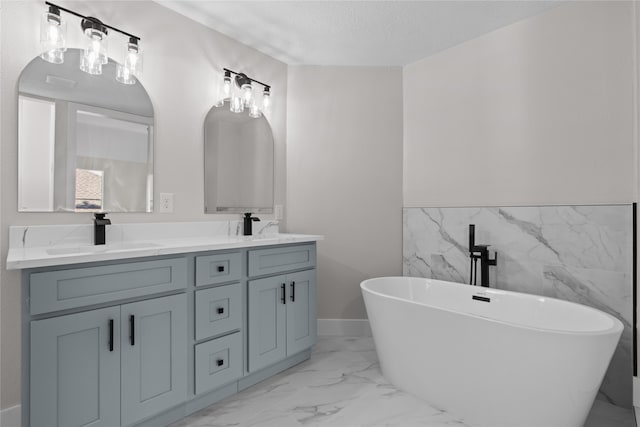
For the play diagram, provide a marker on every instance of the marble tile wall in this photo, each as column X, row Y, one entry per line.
column 577, row 253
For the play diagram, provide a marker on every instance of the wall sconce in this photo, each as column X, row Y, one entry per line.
column 52, row 41
column 242, row 97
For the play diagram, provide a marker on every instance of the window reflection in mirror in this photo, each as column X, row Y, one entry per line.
column 85, row 142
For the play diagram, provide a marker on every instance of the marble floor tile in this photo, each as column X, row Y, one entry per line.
column 341, row 386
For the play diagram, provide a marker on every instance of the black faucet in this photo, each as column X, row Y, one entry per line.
column 248, row 222
column 99, row 228
column 480, row 252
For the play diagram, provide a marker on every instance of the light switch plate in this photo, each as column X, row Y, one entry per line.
column 279, row 212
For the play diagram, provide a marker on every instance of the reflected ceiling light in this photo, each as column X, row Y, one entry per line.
column 52, row 40
column 53, row 33
column 243, row 95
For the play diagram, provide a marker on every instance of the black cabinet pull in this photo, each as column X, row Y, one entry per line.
column 220, row 362
column 110, row 334
column 293, row 291
column 283, row 299
column 220, row 310
column 220, row 268
column 132, row 329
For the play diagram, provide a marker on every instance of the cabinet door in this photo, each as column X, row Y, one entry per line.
column 301, row 311
column 267, row 321
column 154, row 356
column 75, row 370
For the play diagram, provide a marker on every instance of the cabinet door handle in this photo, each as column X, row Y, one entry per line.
column 132, row 329
column 110, row 334
column 220, row 268
column 293, row 291
column 283, row 299
column 220, row 362
column 220, row 310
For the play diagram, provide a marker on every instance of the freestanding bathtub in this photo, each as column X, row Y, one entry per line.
column 492, row 358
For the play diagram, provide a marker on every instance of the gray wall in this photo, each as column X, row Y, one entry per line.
column 183, row 63
column 538, row 112
column 344, row 176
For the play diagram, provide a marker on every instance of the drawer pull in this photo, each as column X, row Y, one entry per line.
column 132, row 329
column 293, row 291
column 110, row 334
column 220, row 362
column 220, row 268
column 283, row 299
column 220, row 310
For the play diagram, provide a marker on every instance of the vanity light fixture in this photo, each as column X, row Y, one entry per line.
column 238, row 100
column 52, row 40
column 53, row 32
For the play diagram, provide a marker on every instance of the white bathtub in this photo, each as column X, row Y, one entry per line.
column 504, row 359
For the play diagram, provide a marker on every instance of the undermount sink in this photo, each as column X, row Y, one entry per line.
column 92, row 249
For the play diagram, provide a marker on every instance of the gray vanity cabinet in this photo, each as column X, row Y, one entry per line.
column 282, row 317
column 75, row 370
column 145, row 342
column 154, row 353
column 282, row 308
column 78, row 360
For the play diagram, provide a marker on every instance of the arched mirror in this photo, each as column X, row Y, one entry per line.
column 85, row 142
column 238, row 162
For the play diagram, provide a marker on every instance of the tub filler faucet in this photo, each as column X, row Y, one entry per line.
column 479, row 252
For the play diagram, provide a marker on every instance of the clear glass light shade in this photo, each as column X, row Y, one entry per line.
column 90, row 64
column 127, row 72
column 95, row 52
column 254, row 110
column 247, row 93
column 53, row 34
column 237, row 104
column 266, row 100
column 226, row 87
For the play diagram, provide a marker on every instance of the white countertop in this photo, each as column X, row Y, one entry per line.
column 42, row 246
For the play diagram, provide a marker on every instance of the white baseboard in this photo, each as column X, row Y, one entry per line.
column 344, row 327
column 10, row 417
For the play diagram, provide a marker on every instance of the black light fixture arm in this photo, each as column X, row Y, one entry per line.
column 244, row 76
column 89, row 18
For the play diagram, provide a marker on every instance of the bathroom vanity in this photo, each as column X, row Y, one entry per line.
column 145, row 333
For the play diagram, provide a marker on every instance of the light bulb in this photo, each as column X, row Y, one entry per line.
column 53, row 32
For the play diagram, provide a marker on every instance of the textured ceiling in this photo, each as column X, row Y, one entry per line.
column 367, row 33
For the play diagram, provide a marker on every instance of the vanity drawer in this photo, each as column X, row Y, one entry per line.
column 218, row 362
column 78, row 287
column 218, row 310
column 276, row 260
column 220, row 268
